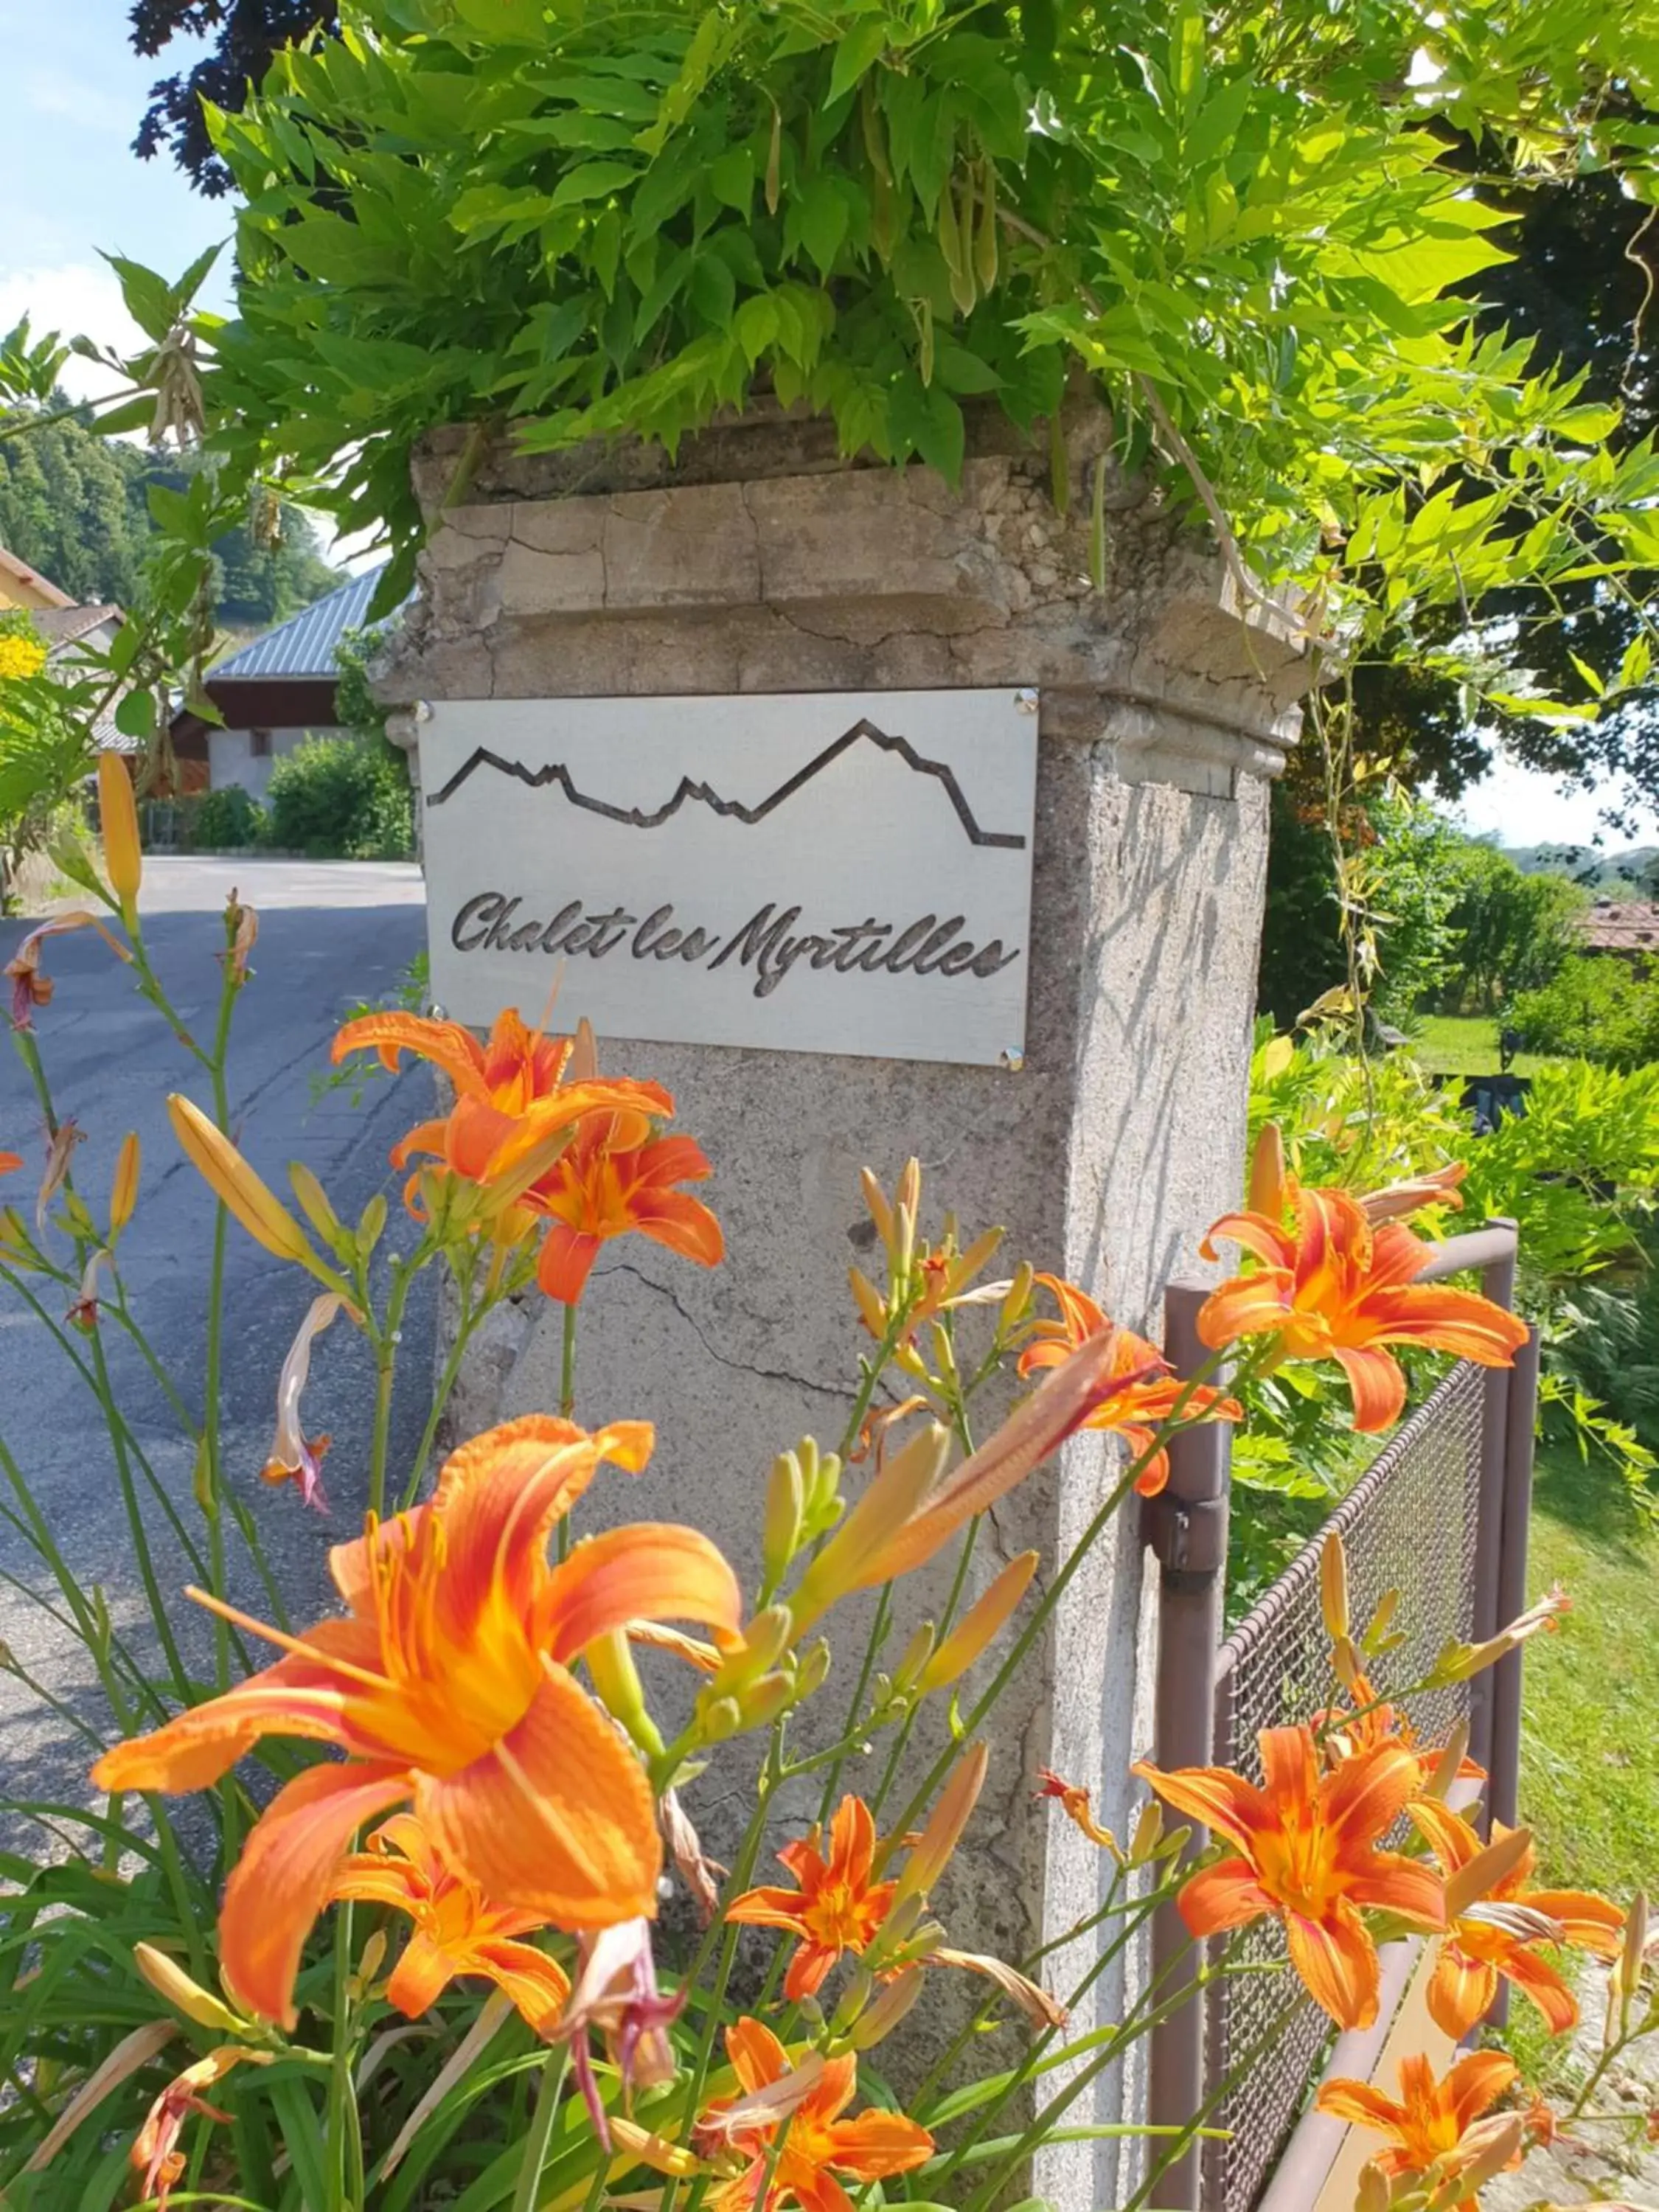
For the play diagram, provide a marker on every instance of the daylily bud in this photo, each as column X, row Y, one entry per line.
column 867, row 1298
column 889, row 1502
column 654, row 2151
column 1039, row 2007
column 1267, row 1191
column 371, row 1223
column 915, row 1656
column 123, row 1190
column 762, row 1701
column 1381, row 1620
column 1486, row 1870
column 908, row 1194
column 368, row 1967
column 764, row 1642
column 1500, row 2138
column 170, row 1981
column 780, row 1528
column 720, row 1717
column 119, row 815
column 617, row 1685
column 886, row 2009
column 1373, row 2194
column 1627, row 1974
column 16, row 1249
column 1148, row 1830
column 876, row 1200
column 1016, row 1305
column 1333, row 1587
column 234, row 1182
column 860, row 1988
column 315, row 1202
column 814, row 1668
column 1446, row 1767
column 984, row 1620
column 820, row 1475
column 943, row 1830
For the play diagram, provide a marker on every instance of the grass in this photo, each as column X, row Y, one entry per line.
column 1589, row 1757
column 1466, row 1044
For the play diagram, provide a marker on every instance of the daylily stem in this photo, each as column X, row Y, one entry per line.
column 385, row 1368
column 567, row 1365
column 547, row 2093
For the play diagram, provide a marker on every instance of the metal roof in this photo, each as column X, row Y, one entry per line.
column 305, row 645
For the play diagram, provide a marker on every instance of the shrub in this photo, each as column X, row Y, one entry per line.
column 226, row 821
column 1596, row 1009
column 343, row 798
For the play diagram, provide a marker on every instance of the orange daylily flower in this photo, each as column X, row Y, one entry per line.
column 835, row 1905
column 1342, row 1732
column 1498, row 1932
column 1333, row 1288
column 505, row 1090
column 450, row 1682
column 456, row 1932
column 602, row 1186
column 10, row 1162
column 819, row 2143
column 1305, row 1851
column 1152, row 1391
column 1434, row 2127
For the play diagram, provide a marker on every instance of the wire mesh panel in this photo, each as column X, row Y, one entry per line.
column 1411, row 1525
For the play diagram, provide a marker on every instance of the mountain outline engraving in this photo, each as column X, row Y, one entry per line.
column 638, row 818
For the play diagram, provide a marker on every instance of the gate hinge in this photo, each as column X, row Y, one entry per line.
column 1187, row 1535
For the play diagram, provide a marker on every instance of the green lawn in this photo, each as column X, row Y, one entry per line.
column 1589, row 1771
column 1465, row 1045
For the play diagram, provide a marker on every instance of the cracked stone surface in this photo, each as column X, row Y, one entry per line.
column 759, row 563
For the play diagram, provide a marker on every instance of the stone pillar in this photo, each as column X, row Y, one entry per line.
column 759, row 563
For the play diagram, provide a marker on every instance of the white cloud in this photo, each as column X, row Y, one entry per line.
column 77, row 300
column 1525, row 807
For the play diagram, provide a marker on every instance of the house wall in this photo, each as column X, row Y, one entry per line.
column 231, row 757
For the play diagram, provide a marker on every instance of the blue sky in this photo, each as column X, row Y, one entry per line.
column 69, row 185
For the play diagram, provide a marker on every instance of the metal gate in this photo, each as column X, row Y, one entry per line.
column 1441, row 1516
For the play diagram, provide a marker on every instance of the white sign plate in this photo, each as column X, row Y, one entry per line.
column 815, row 871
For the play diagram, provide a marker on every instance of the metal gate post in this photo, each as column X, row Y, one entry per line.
column 1503, row 1793
column 1497, row 1281
column 1186, row 1527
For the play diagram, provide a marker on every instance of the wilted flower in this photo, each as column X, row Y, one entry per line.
column 156, row 2153
column 295, row 1457
column 616, row 1995
column 83, row 1314
column 31, row 988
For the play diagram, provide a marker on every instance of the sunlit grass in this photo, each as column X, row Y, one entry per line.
column 1466, row 1044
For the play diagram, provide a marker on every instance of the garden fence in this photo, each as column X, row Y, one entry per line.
column 1441, row 1516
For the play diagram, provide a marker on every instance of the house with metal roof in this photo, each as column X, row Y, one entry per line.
column 275, row 691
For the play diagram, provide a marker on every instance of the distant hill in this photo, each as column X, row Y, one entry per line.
column 1628, row 870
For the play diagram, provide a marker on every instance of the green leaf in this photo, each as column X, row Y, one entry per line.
column 857, row 51
column 823, row 217
column 593, row 180
column 146, row 297
column 731, row 178
column 134, row 713
column 754, row 325
column 713, row 289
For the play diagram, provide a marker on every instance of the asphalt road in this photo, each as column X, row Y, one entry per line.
column 329, row 935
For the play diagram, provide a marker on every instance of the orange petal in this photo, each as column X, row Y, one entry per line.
column 282, row 1881
column 446, row 1044
column 499, row 1495
column 809, row 1969
column 1256, row 1233
column 1379, row 1385
column 1393, row 1883
column 1589, row 1921
column 538, row 1985
column 567, row 1259
column 421, row 1976
column 1449, row 1835
column 757, row 2056
column 1225, row 1895
column 1215, row 1798
column 1366, row 1795
column 768, row 1908
column 1536, row 1978
column 296, row 1697
column 1338, row 1964
column 1289, row 1767
column 672, row 1159
column 651, row 1571
column 1245, row 1307
column 375, row 1878
column 1479, row 2079
column 1359, row 2102
column 684, row 1223
column 425, row 1137
column 1460, row 1991
column 557, row 1819
column 878, row 2143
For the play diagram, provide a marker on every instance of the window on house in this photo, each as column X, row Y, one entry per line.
column 259, row 744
